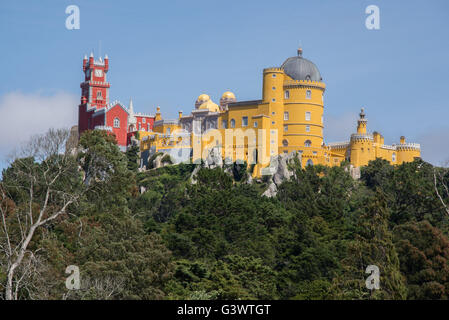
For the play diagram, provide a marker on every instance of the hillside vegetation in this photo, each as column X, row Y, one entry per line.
column 155, row 235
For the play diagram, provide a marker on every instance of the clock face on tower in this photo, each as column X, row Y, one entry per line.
column 98, row 72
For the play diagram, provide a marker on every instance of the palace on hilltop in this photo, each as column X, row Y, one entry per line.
column 288, row 117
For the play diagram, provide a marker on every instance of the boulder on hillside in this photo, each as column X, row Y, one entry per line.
column 279, row 171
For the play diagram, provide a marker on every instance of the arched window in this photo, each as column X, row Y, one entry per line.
column 309, row 162
column 308, row 143
column 99, row 96
column 168, row 130
column 116, row 123
column 285, row 143
column 393, row 157
column 232, row 123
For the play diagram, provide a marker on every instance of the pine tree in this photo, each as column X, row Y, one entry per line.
column 372, row 245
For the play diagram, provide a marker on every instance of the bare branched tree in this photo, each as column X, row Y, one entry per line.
column 103, row 288
column 440, row 178
column 38, row 189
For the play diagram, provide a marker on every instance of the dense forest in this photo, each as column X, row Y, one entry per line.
column 157, row 235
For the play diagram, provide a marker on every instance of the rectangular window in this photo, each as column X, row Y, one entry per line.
column 285, row 128
column 244, row 121
column 308, row 94
column 287, row 94
column 307, row 115
column 224, row 124
column 307, row 128
column 286, row 115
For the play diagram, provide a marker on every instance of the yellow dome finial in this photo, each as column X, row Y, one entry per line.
column 203, row 97
column 228, row 95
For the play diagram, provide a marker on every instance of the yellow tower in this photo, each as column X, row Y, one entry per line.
column 272, row 101
column 302, row 116
column 407, row 152
column 361, row 144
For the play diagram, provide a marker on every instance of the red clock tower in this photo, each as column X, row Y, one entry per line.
column 96, row 112
column 94, row 92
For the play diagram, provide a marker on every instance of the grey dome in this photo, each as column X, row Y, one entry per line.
column 299, row 68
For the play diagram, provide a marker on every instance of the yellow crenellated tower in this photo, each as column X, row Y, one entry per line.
column 361, row 143
column 407, row 152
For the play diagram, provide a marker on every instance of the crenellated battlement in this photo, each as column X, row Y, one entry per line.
column 273, row 69
column 145, row 115
column 388, row 147
column 288, row 84
column 361, row 137
column 408, row 147
column 339, row 145
column 167, row 122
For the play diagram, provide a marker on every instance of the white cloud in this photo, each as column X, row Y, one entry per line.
column 23, row 115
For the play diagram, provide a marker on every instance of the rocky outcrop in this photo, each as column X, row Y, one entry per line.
column 194, row 173
column 353, row 171
column 159, row 160
column 213, row 159
column 279, row 171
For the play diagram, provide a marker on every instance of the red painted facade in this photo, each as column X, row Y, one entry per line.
column 95, row 111
column 117, row 119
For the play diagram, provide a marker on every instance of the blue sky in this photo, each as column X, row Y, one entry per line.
column 166, row 53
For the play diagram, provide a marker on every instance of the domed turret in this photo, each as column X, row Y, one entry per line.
column 201, row 99
column 299, row 68
column 226, row 98
column 209, row 105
